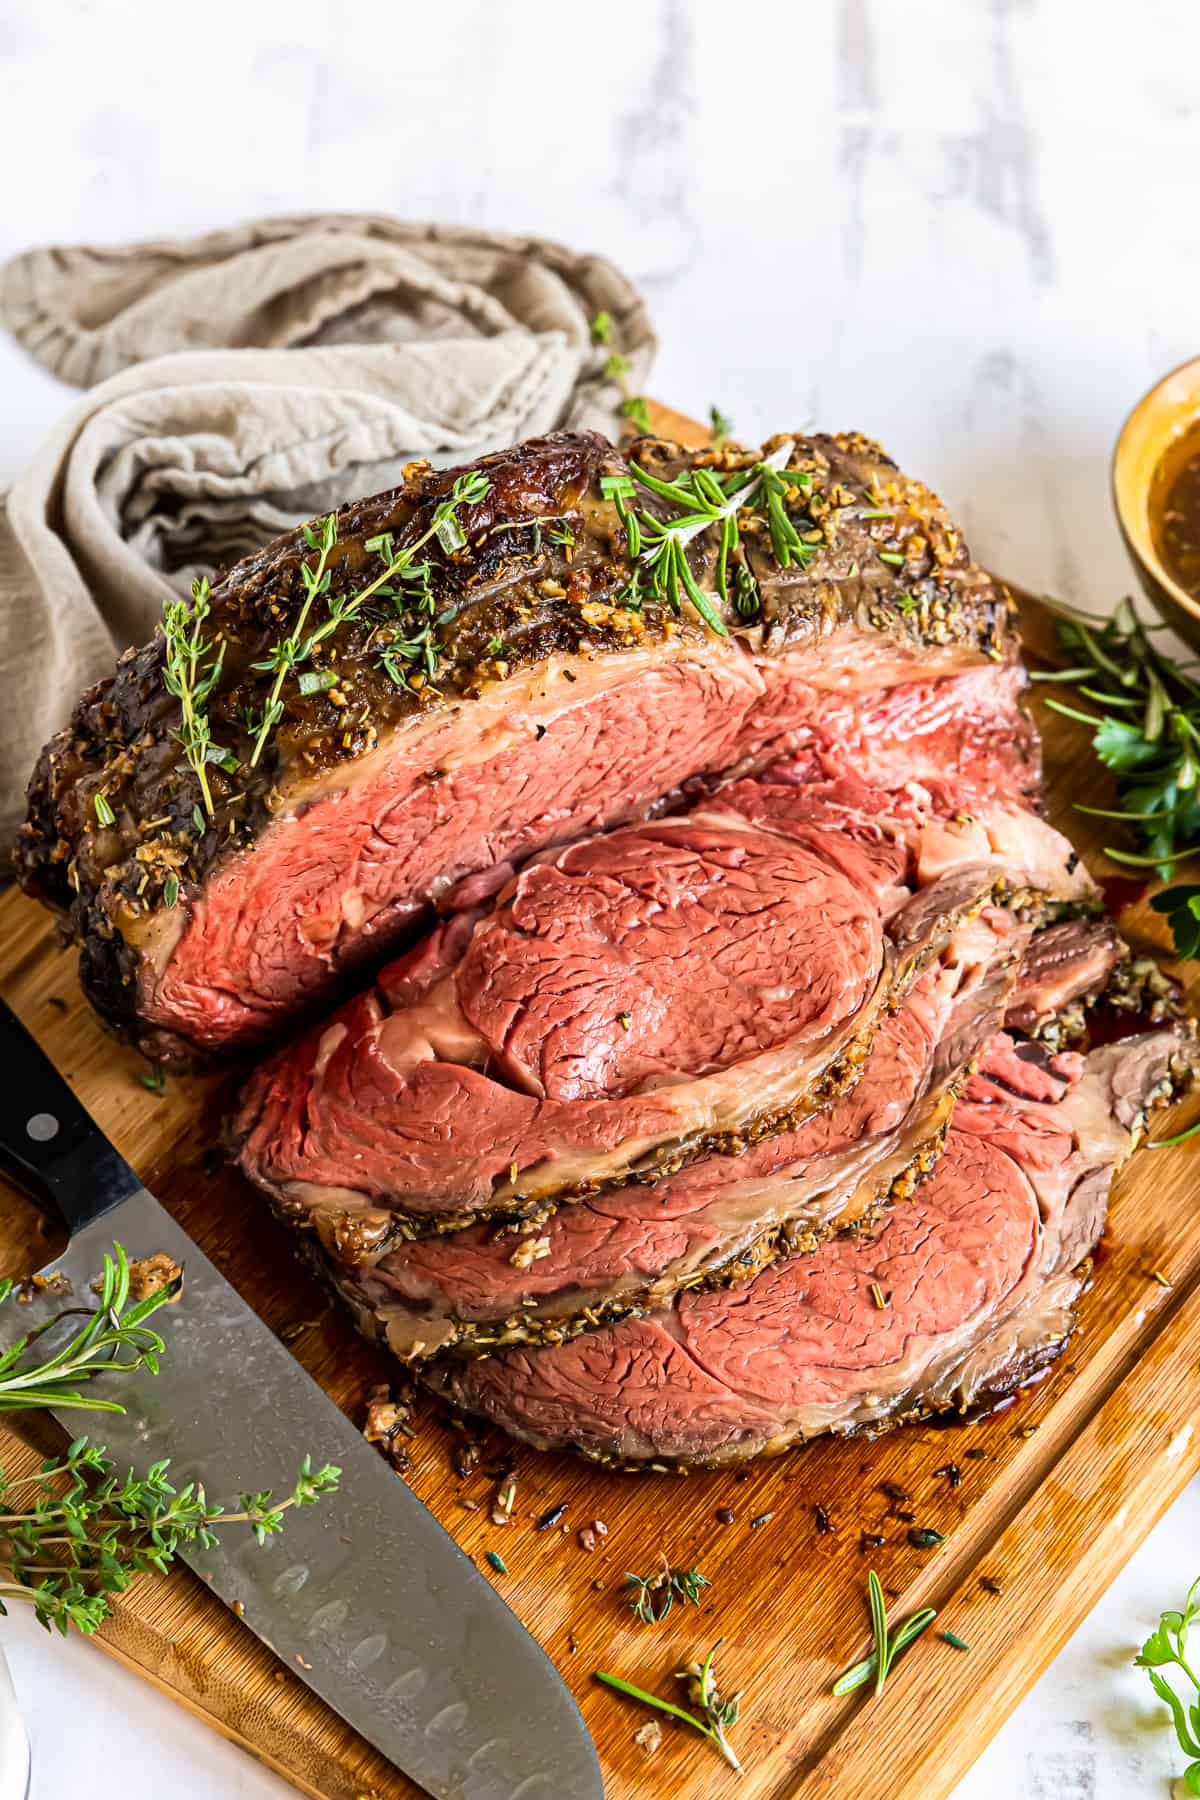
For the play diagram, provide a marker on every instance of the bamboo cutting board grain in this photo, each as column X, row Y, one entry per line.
column 1055, row 1493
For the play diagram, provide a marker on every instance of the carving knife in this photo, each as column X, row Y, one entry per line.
column 363, row 1594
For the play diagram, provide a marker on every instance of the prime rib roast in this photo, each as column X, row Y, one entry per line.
column 557, row 708
column 671, row 1005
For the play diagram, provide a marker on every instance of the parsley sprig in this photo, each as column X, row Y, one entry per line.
column 888, row 1644
column 76, row 1533
column 1144, row 713
column 1166, row 1647
column 715, row 1715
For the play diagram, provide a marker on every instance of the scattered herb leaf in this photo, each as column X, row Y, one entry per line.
column 716, row 1715
column 887, row 1646
column 654, row 1595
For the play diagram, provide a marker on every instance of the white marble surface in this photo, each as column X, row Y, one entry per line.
column 967, row 228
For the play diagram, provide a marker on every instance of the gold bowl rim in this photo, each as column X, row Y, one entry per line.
column 1135, row 525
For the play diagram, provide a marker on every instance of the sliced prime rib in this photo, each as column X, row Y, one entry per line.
column 529, row 694
column 968, row 733
column 956, row 1297
column 723, row 1218
column 633, row 1248
column 669, row 990
column 1065, row 963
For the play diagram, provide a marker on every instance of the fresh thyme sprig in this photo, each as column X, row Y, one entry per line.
column 1166, row 1647
column 115, row 1340
column 81, row 1535
column 716, row 1715
column 634, row 406
column 191, row 670
column 402, row 579
column 69, row 1547
column 720, row 427
column 888, row 1646
column 653, row 1596
column 295, row 648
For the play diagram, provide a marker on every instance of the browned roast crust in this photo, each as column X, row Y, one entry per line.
column 513, row 584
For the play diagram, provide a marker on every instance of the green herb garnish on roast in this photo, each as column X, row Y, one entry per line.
column 706, row 499
column 192, row 664
column 75, row 1532
column 715, row 1715
column 1166, row 1648
column 888, row 1644
column 403, row 579
column 191, row 670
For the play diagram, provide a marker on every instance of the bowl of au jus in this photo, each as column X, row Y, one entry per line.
column 1156, row 490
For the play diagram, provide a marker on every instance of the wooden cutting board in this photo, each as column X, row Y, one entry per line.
column 1054, row 1496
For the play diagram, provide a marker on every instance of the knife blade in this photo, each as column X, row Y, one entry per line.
column 364, row 1594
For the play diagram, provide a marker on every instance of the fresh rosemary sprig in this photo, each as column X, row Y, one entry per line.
column 716, row 1715
column 80, row 1534
column 1166, row 1647
column 403, row 580
column 114, row 1340
column 191, row 670
column 653, row 1595
column 708, row 500
column 888, row 1646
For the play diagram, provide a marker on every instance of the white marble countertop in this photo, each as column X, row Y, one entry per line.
column 970, row 230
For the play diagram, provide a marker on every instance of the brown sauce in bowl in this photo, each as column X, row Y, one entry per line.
column 1175, row 512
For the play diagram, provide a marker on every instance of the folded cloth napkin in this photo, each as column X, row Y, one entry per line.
column 295, row 363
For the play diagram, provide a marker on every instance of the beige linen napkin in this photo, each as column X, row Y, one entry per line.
column 296, row 363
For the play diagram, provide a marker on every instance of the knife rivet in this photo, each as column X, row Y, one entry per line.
column 42, row 1127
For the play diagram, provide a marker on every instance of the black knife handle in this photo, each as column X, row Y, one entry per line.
column 49, row 1144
